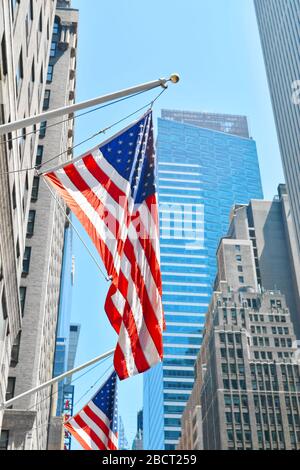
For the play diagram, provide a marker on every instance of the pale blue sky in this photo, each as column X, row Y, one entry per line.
column 214, row 46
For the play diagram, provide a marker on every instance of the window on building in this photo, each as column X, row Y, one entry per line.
column 15, row 351
column 30, row 224
column 3, row 55
column 53, row 49
column 4, row 439
column 223, row 353
column 41, row 20
column 241, row 280
column 35, row 189
column 18, row 248
column 26, row 261
column 225, row 368
column 227, row 400
column 50, row 73
column 238, row 258
column 43, row 128
column 240, row 269
column 39, row 155
column 33, row 71
column 14, row 6
column 22, row 298
column 14, row 200
column 31, row 10
column 10, row 390
column 238, row 248
column 46, row 103
column 19, row 71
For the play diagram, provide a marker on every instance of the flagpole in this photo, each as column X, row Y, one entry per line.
column 8, row 403
column 13, row 126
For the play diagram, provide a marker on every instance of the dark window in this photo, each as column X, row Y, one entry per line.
column 39, row 155
column 20, row 71
column 31, row 221
column 238, row 258
column 240, row 269
column 14, row 200
column 26, row 260
column 10, row 390
column 35, row 189
column 46, row 100
column 4, row 438
column 43, row 128
column 31, row 9
column 33, row 71
column 18, row 249
column 241, row 279
column 15, row 351
column 41, row 21
column 22, row 298
column 3, row 55
column 4, row 306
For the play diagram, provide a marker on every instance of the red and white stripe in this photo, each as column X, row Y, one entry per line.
column 126, row 237
column 91, row 428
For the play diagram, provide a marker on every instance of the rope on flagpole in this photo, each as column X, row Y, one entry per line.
column 102, row 131
column 107, row 278
column 57, row 391
column 72, row 382
column 92, row 386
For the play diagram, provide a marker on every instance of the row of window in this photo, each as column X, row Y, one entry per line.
column 233, row 369
column 234, row 384
column 263, row 355
column 230, row 338
column 271, row 318
column 232, row 353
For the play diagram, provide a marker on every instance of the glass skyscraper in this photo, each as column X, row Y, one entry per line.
column 202, row 173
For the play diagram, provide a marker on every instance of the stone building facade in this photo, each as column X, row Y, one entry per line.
column 25, row 36
column 247, row 385
column 40, row 272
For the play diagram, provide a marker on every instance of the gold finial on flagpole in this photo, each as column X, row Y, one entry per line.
column 175, row 78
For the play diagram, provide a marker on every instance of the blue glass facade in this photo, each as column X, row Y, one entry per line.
column 64, row 328
column 202, row 173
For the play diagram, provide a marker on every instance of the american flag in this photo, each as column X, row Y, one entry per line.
column 112, row 191
column 96, row 426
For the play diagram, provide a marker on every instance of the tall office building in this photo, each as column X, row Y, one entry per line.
column 229, row 123
column 248, row 377
column 201, row 174
column 25, row 36
column 279, row 31
column 123, row 442
column 43, row 247
column 138, row 440
column 247, row 388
